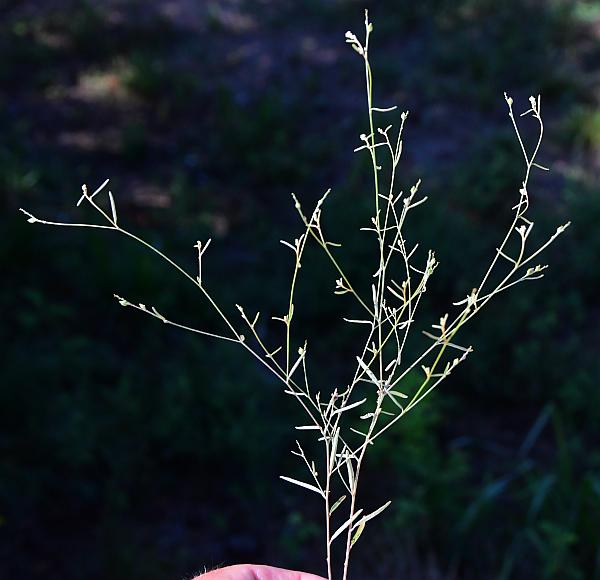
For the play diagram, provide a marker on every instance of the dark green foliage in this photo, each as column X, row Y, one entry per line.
column 130, row 450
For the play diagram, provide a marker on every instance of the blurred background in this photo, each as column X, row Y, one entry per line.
column 130, row 450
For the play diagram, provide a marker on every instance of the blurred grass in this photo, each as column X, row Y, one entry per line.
column 130, row 451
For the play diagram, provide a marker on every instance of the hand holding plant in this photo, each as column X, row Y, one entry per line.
column 251, row 572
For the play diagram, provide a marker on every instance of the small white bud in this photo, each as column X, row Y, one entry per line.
column 533, row 103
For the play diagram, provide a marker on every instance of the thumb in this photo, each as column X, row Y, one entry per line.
column 254, row 572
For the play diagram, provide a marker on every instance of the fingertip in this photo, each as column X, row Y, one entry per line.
column 256, row 572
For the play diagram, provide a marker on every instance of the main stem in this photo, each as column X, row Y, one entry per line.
column 327, row 514
column 378, row 299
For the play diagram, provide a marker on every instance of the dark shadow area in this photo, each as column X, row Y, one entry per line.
column 130, row 450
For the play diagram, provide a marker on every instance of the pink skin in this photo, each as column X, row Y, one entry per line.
column 251, row 572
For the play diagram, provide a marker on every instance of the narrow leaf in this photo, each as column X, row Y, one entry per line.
column 367, row 370
column 288, row 245
column 302, row 484
column 348, row 407
column 99, row 189
column 357, row 534
column 351, row 480
column 337, row 504
column 334, row 444
column 392, row 291
column 374, row 514
column 344, row 526
column 353, row 320
column 360, row 433
column 295, row 365
column 113, row 209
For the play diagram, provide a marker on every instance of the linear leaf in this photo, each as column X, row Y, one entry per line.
column 372, row 515
column 355, row 321
column 334, row 444
column 351, row 406
column 367, row 370
column 357, row 534
column 296, row 365
column 337, row 504
column 344, row 525
column 302, row 484
column 351, row 480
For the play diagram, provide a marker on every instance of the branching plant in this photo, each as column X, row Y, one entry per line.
column 376, row 394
